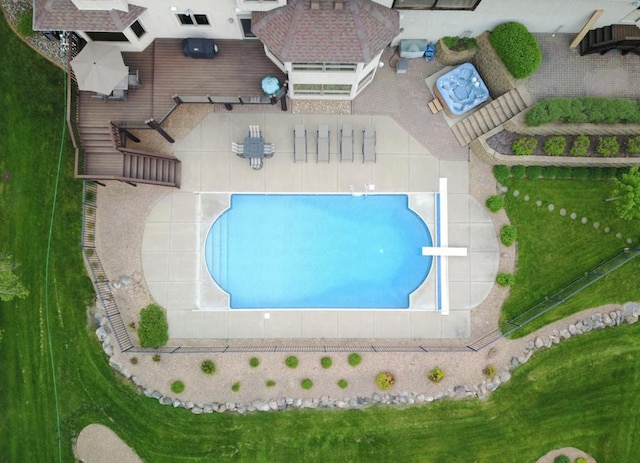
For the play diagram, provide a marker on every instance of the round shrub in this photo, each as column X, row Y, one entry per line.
column 555, row 146
column 495, row 203
column 156, row 357
column 270, row 383
column 517, row 48
column 385, row 380
column 236, row 386
column 580, row 460
column 508, row 235
column 609, row 172
column 524, row 146
column 579, row 173
column 436, row 374
column 633, row 145
column 354, row 359
column 254, row 362
column 564, row 172
column 562, row 459
column 291, row 361
column 501, row 173
column 534, row 172
column 326, row 362
column 550, row 171
column 134, row 360
column 343, row 384
column 608, row 146
column 580, row 146
column 518, row 172
column 306, row 384
column 208, row 367
column 177, row 387
column 153, row 329
column 505, row 279
column 489, row 371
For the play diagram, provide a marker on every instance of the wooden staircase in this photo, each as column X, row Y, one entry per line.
column 493, row 114
column 106, row 157
column 623, row 37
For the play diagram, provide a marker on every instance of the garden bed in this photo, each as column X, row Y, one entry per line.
column 502, row 142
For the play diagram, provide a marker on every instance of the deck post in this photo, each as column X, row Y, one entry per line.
column 154, row 125
column 177, row 99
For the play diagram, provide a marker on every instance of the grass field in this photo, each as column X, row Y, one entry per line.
column 554, row 250
column 582, row 393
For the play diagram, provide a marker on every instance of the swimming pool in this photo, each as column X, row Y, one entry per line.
column 318, row 251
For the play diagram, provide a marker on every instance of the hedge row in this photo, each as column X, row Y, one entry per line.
column 502, row 173
column 588, row 109
column 517, row 48
column 556, row 146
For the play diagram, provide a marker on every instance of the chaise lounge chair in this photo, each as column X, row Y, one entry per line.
column 346, row 143
column 369, row 144
column 299, row 143
column 323, row 143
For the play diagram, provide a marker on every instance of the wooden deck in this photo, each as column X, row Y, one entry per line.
column 164, row 71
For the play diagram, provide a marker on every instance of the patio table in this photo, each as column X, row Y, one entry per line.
column 253, row 147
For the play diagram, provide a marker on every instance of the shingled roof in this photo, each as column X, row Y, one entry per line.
column 353, row 34
column 62, row 15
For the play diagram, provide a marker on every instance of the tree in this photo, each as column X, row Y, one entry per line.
column 10, row 286
column 627, row 194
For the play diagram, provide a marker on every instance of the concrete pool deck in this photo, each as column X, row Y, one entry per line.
column 176, row 228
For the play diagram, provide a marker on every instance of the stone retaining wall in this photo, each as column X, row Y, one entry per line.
column 628, row 314
column 449, row 57
column 493, row 71
column 518, row 125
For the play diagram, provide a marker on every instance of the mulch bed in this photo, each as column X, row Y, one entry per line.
column 502, row 141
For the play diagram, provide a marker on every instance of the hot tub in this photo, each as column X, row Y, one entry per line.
column 462, row 89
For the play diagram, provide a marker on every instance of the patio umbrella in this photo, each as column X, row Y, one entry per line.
column 99, row 68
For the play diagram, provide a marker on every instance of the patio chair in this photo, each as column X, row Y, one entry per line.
column 134, row 80
column 299, row 143
column 254, row 131
column 237, row 148
column 118, row 95
column 369, row 144
column 323, row 143
column 269, row 150
column 346, row 143
column 256, row 163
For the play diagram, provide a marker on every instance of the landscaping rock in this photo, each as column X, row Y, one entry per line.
column 597, row 325
column 587, row 325
column 273, row 404
column 505, row 376
column 308, row 403
column 584, row 220
column 281, row 403
column 526, row 197
column 376, row 397
column 514, row 362
column 177, row 403
column 102, row 334
column 108, row 349
column 166, row 400
column 221, row 409
column 563, row 212
column 538, row 343
column 551, row 207
column 119, row 368
column 565, row 334
column 618, row 235
column 572, row 329
column 261, row 405
column 297, row 403
column 596, row 225
column 208, row 408
column 629, row 241
column 240, row 409
column 631, row 319
column 460, row 391
column 516, row 193
column 190, row 405
column 288, row 400
column 229, row 405
column 136, row 380
column 538, row 203
column 607, row 229
column 491, row 387
column 573, row 216
column 606, row 319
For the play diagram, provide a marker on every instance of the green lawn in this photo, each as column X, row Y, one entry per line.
column 554, row 250
column 582, row 393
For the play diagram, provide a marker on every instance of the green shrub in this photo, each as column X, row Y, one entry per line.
column 156, row 357
column 208, row 367
column 153, row 329
column 326, row 362
column 177, row 387
column 134, row 360
column 254, row 362
column 236, row 386
column 518, row 172
column 459, row 43
column 633, row 145
column 579, row 173
column 354, row 359
column 524, row 146
column 436, row 374
column 501, row 173
column 580, row 460
column 608, row 146
column 291, row 361
column 270, row 383
column 24, row 25
column 505, row 279
column 593, row 173
column 555, row 146
column 564, row 172
column 306, row 384
column 489, row 371
column 517, row 48
column 562, row 459
column 585, row 109
column 580, row 146
column 495, row 203
column 385, row 380
column 550, row 171
column 508, row 235
column 343, row 384
column 608, row 172
column 534, row 172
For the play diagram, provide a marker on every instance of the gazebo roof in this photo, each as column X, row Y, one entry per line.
column 63, row 15
column 299, row 33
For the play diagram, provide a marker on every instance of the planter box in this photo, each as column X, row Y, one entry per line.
column 450, row 57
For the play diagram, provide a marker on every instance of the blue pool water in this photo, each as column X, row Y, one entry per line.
column 318, row 251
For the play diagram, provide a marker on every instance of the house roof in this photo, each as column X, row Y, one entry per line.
column 353, row 34
column 62, row 15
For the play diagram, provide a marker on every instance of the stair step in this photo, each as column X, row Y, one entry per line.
column 462, row 139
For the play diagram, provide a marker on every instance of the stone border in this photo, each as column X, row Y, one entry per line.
column 629, row 314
